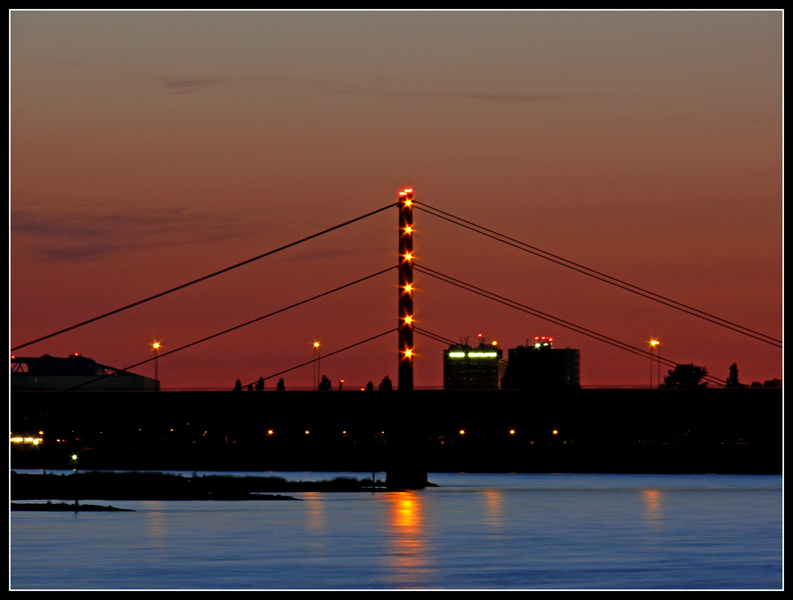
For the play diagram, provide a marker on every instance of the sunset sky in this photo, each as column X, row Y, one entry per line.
column 148, row 149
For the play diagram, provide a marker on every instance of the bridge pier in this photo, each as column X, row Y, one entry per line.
column 406, row 458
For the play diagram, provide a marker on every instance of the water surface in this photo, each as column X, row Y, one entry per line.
column 474, row 531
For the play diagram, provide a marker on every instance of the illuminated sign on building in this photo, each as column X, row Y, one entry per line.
column 473, row 354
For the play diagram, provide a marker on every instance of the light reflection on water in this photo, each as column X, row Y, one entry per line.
column 409, row 558
column 652, row 507
column 473, row 532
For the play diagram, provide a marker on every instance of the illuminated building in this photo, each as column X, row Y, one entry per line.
column 541, row 366
column 467, row 368
column 53, row 374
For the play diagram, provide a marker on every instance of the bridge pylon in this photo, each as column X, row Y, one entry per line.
column 406, row 468
column 405, row 327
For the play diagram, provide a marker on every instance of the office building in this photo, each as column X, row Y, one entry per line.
column 541, row 366
column 468, row 368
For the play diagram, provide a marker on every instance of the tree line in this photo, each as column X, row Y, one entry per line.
column 325, row 385
column 687, row 376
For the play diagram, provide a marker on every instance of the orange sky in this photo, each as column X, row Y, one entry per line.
column 152, row 148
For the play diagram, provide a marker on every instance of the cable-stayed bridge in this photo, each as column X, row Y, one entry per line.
column 407, row 413
column 407, row 264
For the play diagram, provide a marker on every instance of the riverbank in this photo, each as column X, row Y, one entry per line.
column 729, row 430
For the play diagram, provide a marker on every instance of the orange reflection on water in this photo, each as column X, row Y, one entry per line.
column 406, row 522
column 652, row 506
column 155, row 529
column 493, row 505
column 315, row 512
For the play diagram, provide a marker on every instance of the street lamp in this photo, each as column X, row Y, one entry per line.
column 156, row 347
column 658, row 354
column 316, row 367
column 655, row 344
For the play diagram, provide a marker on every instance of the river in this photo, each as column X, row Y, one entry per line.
column 473, row 531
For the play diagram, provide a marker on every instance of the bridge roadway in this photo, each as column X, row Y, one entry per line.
column 406, row 434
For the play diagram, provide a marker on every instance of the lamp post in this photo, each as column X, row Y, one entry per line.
column 316, row 367
column 658, row 355
column 654, row 344
column 156, row 347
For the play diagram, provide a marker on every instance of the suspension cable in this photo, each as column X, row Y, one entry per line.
column 598, row 275
column 329, row 354
column 433, row 336
column 205, row 277
column 230, row 329
column 545, row 316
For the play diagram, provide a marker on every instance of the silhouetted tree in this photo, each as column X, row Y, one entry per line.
column 238, row 386
column 281, row 386
column 325, row 384
column 386, row 384
column 369, row 387
column 686, row 376
column 732, row 380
